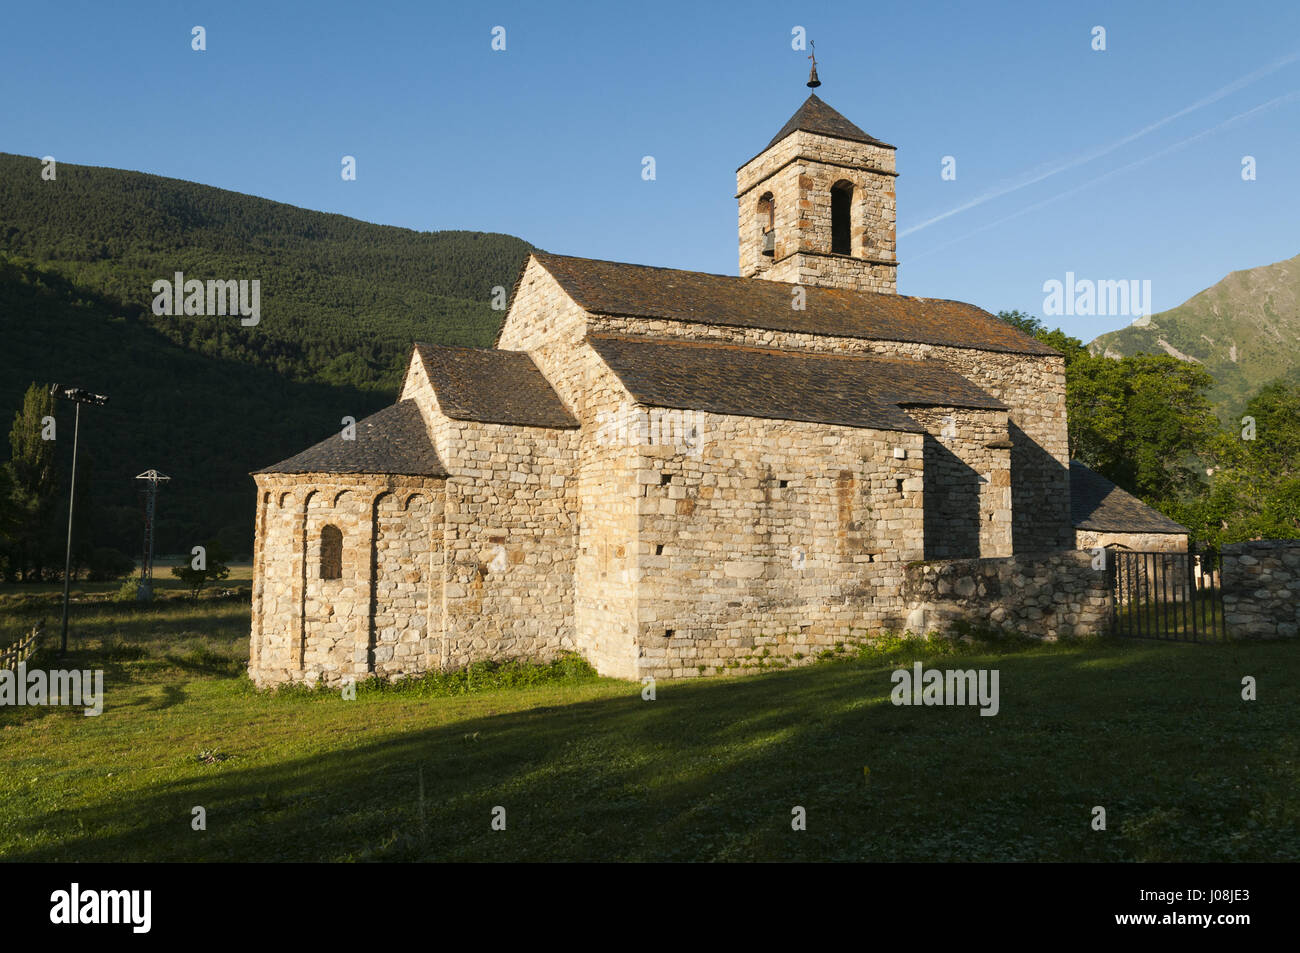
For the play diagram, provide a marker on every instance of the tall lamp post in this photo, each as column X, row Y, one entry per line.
column 78, row 396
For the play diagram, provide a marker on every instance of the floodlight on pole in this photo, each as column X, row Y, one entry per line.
column 77, row 396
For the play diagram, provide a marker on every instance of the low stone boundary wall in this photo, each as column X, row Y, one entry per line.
column 1045, row 596
column 1261, row 588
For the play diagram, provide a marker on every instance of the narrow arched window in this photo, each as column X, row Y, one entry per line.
column 767, row 222
column 841, row 231
column 331, row 553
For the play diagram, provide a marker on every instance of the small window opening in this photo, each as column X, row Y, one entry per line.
column 767, row 222
column 665, row 479
column 331, row 553
column 659, row 549
column 841, row 230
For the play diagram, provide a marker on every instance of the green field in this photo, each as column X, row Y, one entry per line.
column 1157, row 734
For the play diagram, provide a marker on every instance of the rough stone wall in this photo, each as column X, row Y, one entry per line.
column 967, row 482
column 1138, row 542
column 381, row 614
column 799, row 172
column 544, row 321
column 336, row 632
column 1261, row 588
column 406, row 624
column 776, row 537
column 1049, row 597
column 510, row 541
column 1032, row 386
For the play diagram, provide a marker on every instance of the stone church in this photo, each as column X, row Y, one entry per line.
column 669, row 472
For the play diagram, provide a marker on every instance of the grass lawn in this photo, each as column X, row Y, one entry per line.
column 1155, row 733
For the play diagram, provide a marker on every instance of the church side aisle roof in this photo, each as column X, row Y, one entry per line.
column 847, row 390
column 394, row 441
column 1097, row 504
column 642, row 291
column 817, row 117
column 492, row 386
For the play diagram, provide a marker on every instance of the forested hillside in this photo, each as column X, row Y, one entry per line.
column 341, row 300
column 205, row 399
column 204, row 421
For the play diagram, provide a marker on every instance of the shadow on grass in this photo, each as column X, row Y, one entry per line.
column 712, row 769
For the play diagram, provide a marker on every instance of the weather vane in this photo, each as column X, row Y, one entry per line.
column 813, row 81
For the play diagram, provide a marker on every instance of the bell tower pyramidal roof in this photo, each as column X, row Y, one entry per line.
column 816, row 117
column 817, row 206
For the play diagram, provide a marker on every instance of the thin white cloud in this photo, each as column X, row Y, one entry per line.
column 1240, row 117
column 1031, row 178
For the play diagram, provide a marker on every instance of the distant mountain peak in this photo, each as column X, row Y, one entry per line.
column 1245, row 330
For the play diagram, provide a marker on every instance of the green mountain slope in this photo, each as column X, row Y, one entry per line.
column 205, row 399
column 204, row 421
column 1245, row 330
column 341, row 300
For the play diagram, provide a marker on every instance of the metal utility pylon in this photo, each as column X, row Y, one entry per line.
column 153, row 477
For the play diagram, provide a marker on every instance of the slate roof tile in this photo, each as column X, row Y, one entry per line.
column 1099, row 505
column 817, row 117
column 642, row 291
column 493, row 386
column 849, row 390
column 394, row 441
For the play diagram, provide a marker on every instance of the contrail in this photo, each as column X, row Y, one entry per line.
column 1287, row 97
column 1035, row 177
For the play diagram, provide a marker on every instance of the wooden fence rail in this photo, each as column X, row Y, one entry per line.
column 22, row 651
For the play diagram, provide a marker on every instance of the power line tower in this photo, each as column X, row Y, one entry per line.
column 152, row 478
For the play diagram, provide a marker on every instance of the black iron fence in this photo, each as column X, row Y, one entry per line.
column 1174, row 596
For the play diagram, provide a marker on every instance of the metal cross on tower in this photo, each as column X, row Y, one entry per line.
column 153, row 477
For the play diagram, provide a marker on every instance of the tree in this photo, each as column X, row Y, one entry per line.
column 1142, row 421
column 31, row 484
column 213, row 567
column 9, row 523
column 1255, row 488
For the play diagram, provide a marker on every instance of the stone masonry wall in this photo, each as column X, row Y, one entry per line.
column 1049, row 597
column 967, row 482
column 799, row 172
column 782, row 537
column 1261, row 588
column 381, row 615
column 1032, row 386
column 1138, row 542
column 544, row 321
column 510, row 541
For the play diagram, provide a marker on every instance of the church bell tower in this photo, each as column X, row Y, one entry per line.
column 817, row 205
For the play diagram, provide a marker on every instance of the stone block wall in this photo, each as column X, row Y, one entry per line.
column 1049, row 597
column 510, row 534
column 782, row 536
column 1261, row 588
column 1032, row 386
column 1138, row 542
column 967, row 482
column 381, row 614
column 799, row 173
column 545, row 322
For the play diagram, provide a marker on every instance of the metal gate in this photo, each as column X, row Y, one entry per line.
column 1173, row 596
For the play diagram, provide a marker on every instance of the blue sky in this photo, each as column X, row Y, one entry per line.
column 545, row 139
